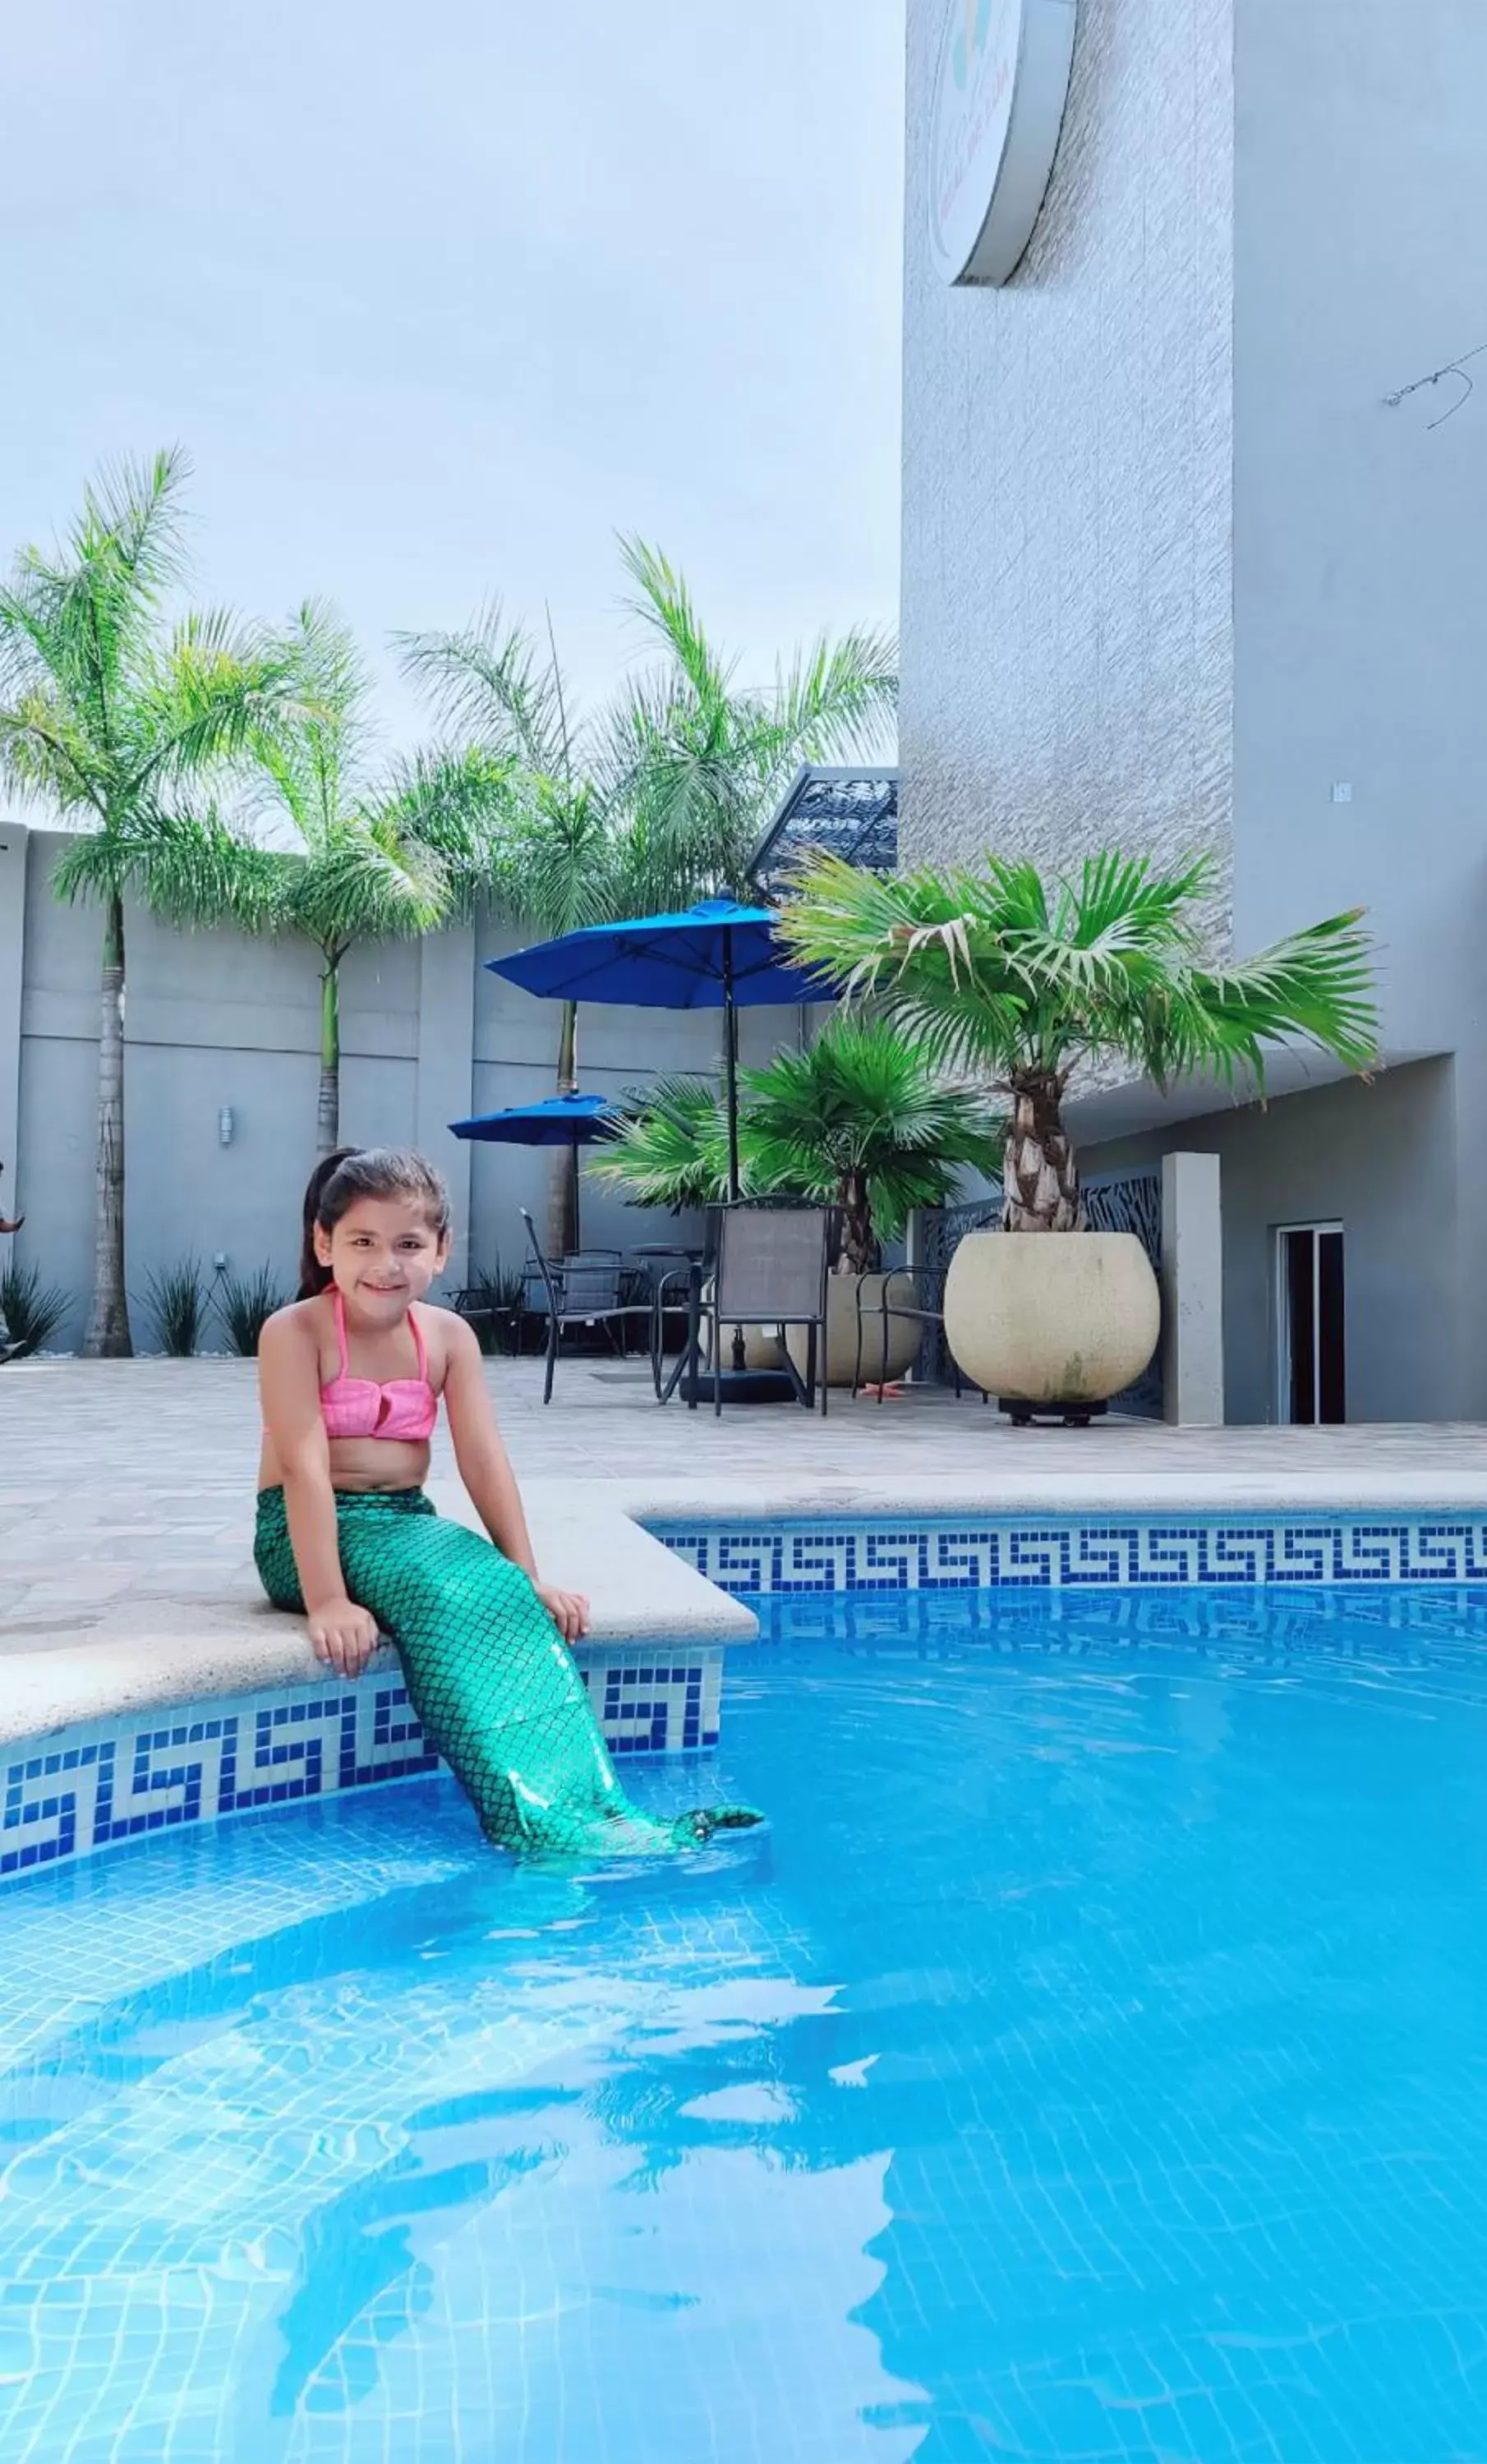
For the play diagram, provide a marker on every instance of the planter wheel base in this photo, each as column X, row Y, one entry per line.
column 1023, row 1415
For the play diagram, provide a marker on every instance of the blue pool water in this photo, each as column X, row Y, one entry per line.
column 1089, row 2063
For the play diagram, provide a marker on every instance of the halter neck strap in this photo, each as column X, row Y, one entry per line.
column 340, row 1325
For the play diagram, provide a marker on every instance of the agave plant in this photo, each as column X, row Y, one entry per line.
column 245, row 1304
column 178, row 1306
column 498, row 1291
column 858, row 1118
column 1024, row 979
column 29, row 1311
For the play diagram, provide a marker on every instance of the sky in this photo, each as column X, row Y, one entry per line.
column 440, row 297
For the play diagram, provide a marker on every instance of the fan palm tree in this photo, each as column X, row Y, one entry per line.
column 862, row 1118
column 383, row 855
column 1024, row 978
column 116, row 722
column 701, row 761
column 563, row 860
column 858, row 1118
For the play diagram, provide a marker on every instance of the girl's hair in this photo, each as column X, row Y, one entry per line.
column 340, row 1179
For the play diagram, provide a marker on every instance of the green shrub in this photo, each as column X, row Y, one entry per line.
column 177, row 1303
column 29, row 1309
column 244, row 1304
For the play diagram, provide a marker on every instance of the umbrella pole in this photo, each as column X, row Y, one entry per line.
column 730, row 1073
column 731, row 1066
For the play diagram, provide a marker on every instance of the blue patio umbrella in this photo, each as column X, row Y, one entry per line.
column 571, row 1120
column 715, row 956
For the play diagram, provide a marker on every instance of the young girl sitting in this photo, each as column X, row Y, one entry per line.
column 350, row 1377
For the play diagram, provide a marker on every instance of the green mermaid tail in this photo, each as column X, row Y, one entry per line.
column 489, row 1676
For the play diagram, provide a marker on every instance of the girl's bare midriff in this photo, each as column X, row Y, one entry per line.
column 360, row 1464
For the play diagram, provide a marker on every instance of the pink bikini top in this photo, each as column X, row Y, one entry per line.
column 357, row 1407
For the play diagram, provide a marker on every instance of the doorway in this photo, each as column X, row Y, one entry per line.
column 1311, row 1324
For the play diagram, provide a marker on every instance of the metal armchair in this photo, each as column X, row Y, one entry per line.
column 911, row 1294
column 768, row 1268
column 584, row 1291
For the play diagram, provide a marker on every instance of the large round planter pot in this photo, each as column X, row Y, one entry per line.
column 1052, row 1317
column 881, row 1364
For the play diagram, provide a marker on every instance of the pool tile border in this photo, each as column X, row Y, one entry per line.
column 1126, row 1552
column 99, row 1787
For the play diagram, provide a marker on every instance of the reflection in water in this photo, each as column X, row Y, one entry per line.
column 1089, row 2045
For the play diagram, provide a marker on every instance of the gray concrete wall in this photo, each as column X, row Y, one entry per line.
column 215, row 1020
column 1067, row 471
column 1381, row 1159
column 1360, row 604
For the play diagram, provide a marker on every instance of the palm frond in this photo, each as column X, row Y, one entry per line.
column 1010, row 972
column 464, row 804
column 673, row 1148
column 132, row 519
column 367, row 883
column 219, row 689
column 663, row 603
column 838, row 697
column 191, row 869
column 489, row 680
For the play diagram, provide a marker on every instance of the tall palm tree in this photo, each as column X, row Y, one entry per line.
column 663, row 796
column 563, row 860
column 115, row 720
column 383, row 855
column 1025, row 977
column 701, row 761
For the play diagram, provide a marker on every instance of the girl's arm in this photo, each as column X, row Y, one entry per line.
column 485, row 1468
column 343, row 1635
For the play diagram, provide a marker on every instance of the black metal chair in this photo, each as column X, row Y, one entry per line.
column 479, row 1307
column 768, row 1268
column 584, row 1291
column 912, row 1293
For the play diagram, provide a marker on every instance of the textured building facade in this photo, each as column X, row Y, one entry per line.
column 1188, row 563
column 1068, row 649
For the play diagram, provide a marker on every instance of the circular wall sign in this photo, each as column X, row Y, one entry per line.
column 1000, row 84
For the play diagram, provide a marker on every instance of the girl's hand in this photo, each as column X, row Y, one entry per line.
column 345, row 1636
column 568, row 1610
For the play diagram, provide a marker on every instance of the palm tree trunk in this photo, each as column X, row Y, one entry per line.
column 108, row 1336
column 328, row 1118
column 562, row 1175
column 1040, row 1179
column 858, row 1245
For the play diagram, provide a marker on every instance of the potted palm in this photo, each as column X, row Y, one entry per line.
column 1029, row 980
column 858, row 1118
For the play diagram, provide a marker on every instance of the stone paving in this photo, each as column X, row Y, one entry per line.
column 130, row 1483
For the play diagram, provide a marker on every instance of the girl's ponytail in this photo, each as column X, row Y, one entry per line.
column 313, row 1276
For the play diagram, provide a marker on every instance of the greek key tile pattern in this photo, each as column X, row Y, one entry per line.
column 1050, row 1553
column 98, row 1787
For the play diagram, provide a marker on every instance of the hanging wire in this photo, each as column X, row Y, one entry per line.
column 1452, row 369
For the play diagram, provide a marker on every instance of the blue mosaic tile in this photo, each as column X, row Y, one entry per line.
column 1049, row 1553
column 112, row 1787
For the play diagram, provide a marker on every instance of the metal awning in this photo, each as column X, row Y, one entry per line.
column 849, row 808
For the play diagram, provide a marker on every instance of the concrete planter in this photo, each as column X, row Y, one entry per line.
column 1052, row 1317
column 881, row 1364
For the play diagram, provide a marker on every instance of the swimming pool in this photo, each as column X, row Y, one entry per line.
column 1090, row 2060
